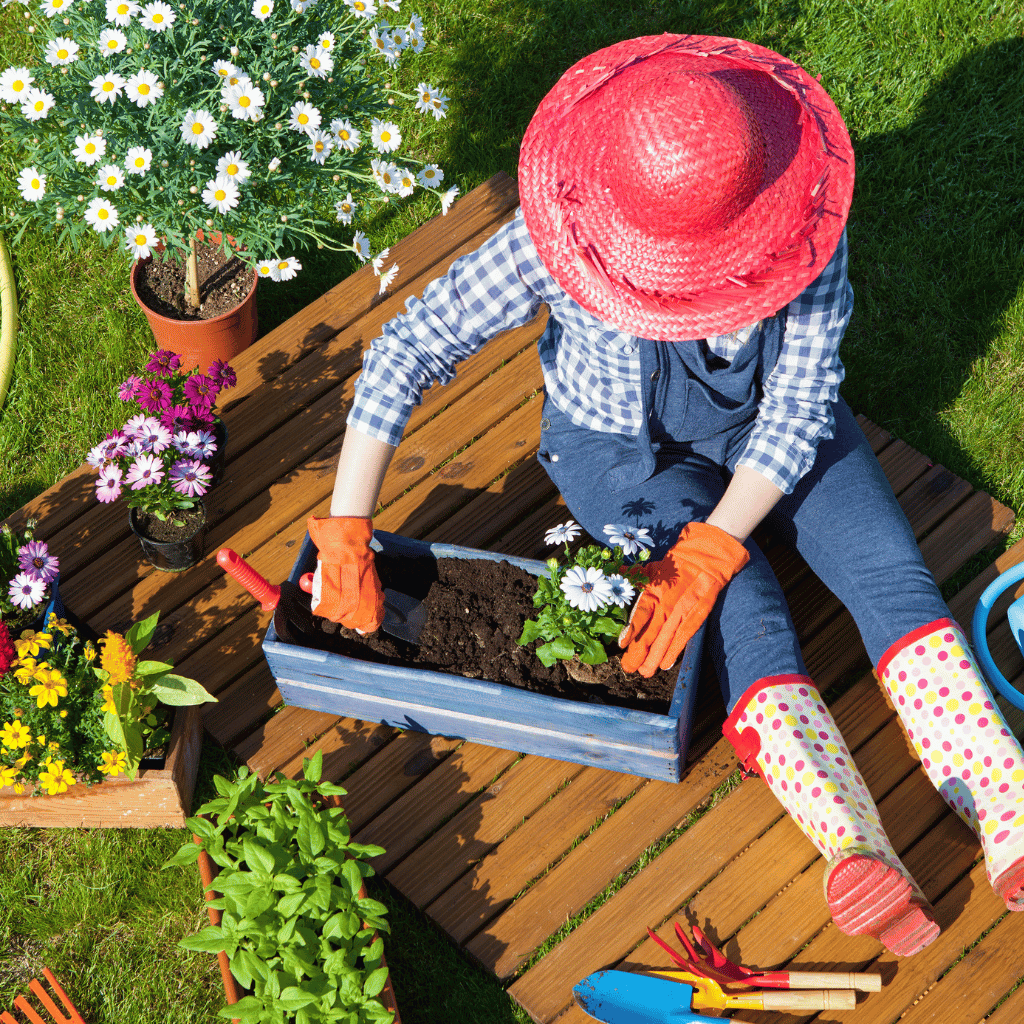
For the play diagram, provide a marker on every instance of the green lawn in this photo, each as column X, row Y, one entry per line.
column 933, row 93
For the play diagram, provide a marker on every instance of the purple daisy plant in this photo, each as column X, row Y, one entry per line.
column 34, row 559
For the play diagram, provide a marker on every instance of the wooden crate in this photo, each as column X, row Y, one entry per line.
column 156, row 798
column 636, row 742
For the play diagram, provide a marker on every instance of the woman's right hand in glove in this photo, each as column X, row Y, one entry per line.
column 346, row 588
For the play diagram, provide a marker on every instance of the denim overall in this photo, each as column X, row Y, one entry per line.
column 842, row 516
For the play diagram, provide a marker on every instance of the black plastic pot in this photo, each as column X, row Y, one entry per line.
column 171, row 556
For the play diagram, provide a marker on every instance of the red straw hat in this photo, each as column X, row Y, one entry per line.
column 684, row 186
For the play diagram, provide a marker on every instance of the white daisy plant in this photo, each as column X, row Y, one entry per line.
column 273, row 123
column 584, row 600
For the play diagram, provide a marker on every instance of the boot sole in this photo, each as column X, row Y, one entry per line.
column 1009, row 886
column 868, row 897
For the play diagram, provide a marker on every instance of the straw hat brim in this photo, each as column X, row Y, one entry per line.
column 709, row 278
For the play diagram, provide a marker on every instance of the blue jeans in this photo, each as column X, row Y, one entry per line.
column 842, row 517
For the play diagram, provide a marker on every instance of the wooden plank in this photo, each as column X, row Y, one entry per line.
column 255, row 691
column 344, row 745
column 933, row 497
column 277, row 740
column 480, row 827
column 903, row 465
column 481, row 893
column 1011, row 1011
column 976, row 524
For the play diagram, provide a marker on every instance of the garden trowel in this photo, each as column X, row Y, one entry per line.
column 619, row 997
column 404, row 616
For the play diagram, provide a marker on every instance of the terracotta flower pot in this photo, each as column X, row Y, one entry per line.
column 200, row 342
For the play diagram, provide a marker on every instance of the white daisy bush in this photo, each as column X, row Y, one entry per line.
column 272, row 122
column 584, row 600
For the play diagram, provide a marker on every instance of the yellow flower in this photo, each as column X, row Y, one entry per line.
column 63, row 714
column 114, row 762
column 19, row 788
column 7, row 776
column 118, row 658
column 25, row 671
column 23, row 760
column 62, row 624
column 108, row 699
column 55, row 778
column 49, row 686
column 89, row 652
column 41, row 740
column 31, row 643
column 15, row 734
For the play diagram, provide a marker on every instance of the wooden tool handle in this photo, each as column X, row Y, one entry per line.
column 810, row 1000
column 235, row 565
column 835, row 979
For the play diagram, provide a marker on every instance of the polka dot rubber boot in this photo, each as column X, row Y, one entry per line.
column 965, row 747
column 782, row 730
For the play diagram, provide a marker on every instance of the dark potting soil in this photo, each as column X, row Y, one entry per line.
column 223, row 282
column 169, row 530
column 475, row 613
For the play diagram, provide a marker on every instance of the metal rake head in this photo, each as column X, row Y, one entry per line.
column 33, row 1015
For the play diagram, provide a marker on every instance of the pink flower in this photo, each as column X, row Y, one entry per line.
column 112, row 447
column 177, row 417
column 126, row 391
column 163, row 363
column 190, row 477
column 201, row 390
column 145, row 470
column 26, row 591
column 138, row 425
column 154, row 395
column 155, row 437
column 108, row 486
column 222, row 374
column 35, row 560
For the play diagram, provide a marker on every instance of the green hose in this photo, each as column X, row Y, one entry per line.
column 8, row 320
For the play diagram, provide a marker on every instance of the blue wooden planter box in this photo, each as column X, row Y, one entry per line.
column 636, row 742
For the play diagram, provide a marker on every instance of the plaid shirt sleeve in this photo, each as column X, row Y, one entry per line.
column 795, row 413
column 483, row 293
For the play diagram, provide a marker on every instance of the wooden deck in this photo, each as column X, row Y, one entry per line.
column 502, row 850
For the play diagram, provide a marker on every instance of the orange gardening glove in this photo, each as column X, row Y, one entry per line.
column 681, row 593
column 346, row 588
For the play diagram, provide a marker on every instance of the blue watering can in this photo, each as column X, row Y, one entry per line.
column 1015, row 617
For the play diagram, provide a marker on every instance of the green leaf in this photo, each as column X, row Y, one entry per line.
column 593, row 652
column 240, row 970
column 351, row 873
column 313, row 768
column 375, row 982
column 248, row 1010
column 177, row 691
column 531, row 631
column 374, row 951
column 152, row 668
column 140, row 633
column 293, row 998
column 607, row 626
column 259, row 901
column 209, row 940
column 291, row 904
column 188, row 854
column 257, row 857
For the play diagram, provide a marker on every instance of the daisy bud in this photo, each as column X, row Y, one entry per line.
column 193, row 189
column 81, row 199
column 336, row 177
column 163, row 163
column 234, row 51
column 60, row 215
column 181, row 202
column 284, row 218
column 128, row 49
column 391, row 101
column 209, row 223
column 138, row 218
column 67, row 21
column 266, row 76
column 273, row 83
column 273, row 35
column 145, row 46
column 31, row 30
column 295, row 49
column 195, row 21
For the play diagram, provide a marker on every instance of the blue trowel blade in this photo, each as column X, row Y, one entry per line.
column 618, row 997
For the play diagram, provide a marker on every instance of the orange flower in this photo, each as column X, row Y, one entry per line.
column 118, row 658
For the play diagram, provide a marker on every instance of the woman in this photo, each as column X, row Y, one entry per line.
column 684, row 201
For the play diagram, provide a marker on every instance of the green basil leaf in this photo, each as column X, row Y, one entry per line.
column 375, row 982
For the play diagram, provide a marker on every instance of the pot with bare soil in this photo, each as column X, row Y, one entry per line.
column 468, row 676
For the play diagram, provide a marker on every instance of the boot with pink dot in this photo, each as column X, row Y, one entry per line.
column 783, row 731
column 971, row 757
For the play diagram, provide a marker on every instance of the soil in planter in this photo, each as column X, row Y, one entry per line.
column 167, row 530
column 475, row 613
column 223, row 282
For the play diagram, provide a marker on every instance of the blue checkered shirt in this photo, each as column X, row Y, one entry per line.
column 591, row 370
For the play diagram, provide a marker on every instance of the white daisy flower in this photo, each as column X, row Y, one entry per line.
column 138, row 160
column 586, row 588
column 430, row 176
column 316, row 61
column 563, row 533
column 143, row 88
column 448, row 198
column 106, row 88
column 31, row 184
column 14, row 83
column 238, row 78
column 381, row 42
column 232, row 166
column 393, row 4
column 399, row 38
column 120, row 12
column 378, row 260
column 621, row 590
column 262, row 9
column 274, row 164
column 304, row 118
column 320, row 146
column 157, row 17
column 61, row 50
column 415, row 30
column 385, row 174
column 385, row 136
column 221, row 194
column 405, row 183
column 345, row 136
column 361, row 246
column 430, row 100
column 36, row 104
column 112, row 40
column 110, row 178
column 101, row 215
column 301, row 6
column 89, row 149
column 224, row 68
column 139, row 240
column 245, row 101
column 386, row 279
column 267, row 268
column 630, row 538
column 362, row 8
column 345, row 209
column 198, row 129
column 51, row 8
column 287, row 268
column 327, row 40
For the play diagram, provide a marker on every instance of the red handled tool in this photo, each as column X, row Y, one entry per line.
column 56, row 1016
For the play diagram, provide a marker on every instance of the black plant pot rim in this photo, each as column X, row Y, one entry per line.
column 171, row 556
